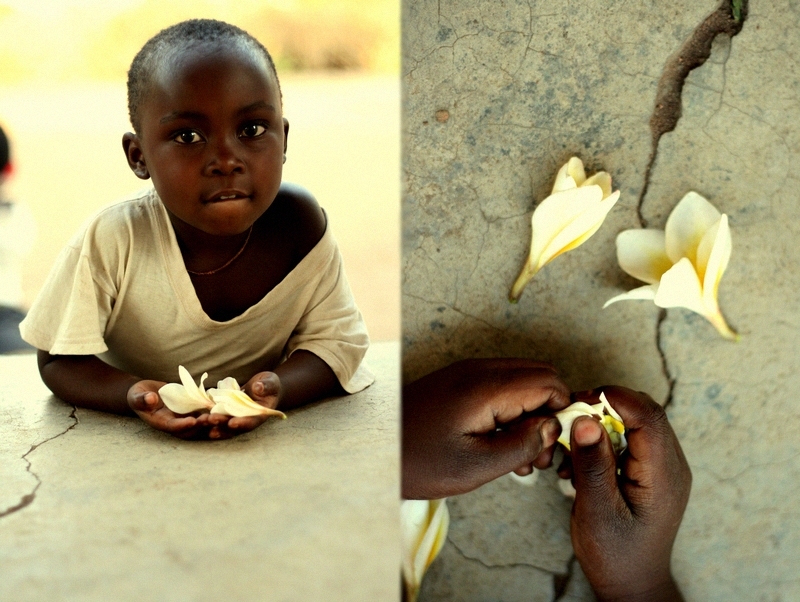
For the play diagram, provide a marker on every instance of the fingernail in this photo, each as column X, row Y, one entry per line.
column 549, row 431
column 587, row 431
column 258, row 388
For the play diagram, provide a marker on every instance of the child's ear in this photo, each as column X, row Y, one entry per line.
column 134, row 155
column 285, row 133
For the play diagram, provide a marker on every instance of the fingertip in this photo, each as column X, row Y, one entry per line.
column 586, row 431
column 549, row 432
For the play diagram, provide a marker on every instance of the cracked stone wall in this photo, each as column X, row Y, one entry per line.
column 498, row 96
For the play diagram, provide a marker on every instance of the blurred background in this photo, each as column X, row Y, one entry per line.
column 63, row 65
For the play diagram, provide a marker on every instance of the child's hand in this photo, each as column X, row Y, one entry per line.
column 623, row 526
column 143, row 398
column 264, row 388
column 451, row 441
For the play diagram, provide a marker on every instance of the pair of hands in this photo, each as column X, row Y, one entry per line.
column 479, row 419
column 143, row 398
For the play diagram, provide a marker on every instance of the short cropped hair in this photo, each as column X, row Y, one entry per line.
column 185, row 34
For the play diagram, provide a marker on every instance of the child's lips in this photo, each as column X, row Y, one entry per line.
column 227, row 195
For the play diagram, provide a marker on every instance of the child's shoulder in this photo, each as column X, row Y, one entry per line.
column 119, row 220
column 300, row 214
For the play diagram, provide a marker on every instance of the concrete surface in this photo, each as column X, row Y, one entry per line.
column 100, row 507
column 497, row 97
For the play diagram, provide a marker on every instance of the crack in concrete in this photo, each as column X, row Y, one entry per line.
column 692, row 54
column 27, row 499
column 667, row 109
column 509, row 565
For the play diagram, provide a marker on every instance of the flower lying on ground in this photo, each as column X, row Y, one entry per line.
column 566, row 219
column 683, row 263
column 227, row 398
column 424, row 525
column 608, row 416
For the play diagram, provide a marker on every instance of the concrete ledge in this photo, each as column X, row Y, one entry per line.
column 100, row 507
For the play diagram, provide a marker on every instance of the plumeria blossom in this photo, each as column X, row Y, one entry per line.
column 188, row 397
column 566, row 219
column 683, row 263
column 424, row 525
column 232, row 401
column 227, row 398
column 608, row 416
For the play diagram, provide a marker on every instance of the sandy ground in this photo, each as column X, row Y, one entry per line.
column 344, row 146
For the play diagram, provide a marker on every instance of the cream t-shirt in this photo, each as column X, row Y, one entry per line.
column 120, row 290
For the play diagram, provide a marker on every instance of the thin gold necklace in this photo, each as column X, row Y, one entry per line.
column 227, row 263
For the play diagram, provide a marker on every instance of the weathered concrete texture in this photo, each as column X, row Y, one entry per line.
column 735, row 405
column 497, row 97
column 301, row 509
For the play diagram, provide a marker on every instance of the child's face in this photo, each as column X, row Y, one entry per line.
column 212, row 128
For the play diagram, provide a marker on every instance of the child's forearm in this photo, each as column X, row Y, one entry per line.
column 305, row 378
column 87, row 381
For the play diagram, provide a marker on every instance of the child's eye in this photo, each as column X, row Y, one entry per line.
column 253, row 130
column 187, row 137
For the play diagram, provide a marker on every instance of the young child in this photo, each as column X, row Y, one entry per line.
column 220, row 268
column 477, row 420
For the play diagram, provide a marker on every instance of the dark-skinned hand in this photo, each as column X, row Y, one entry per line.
column 476, row 420
column 623, row 526
column 143, row 398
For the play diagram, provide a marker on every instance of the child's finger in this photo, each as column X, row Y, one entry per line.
column 523, row 391
column 267, row 385
column 647, row 430
column 505, row 451
column 145, row 401
column 594, row 467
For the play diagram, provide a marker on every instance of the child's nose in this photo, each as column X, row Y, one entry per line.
column 224, row 159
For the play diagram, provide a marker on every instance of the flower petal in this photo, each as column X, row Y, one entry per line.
column 641, row 254
column 643, row 292
column 238, row 403
column 715, row 260
column 424, row 525
column 195, row 392
column 228, row 383
column 680, row 287
column 578, row 230
column 571, row 175
column 687, row 224
column 178, row 400
column 554, row 214
column 601, row 179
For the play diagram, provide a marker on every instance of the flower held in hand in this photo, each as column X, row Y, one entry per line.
column 608, row 416
column 188, row 397
column 226, row 399
column 232, row 401
column 566, row 219
column 683, row 263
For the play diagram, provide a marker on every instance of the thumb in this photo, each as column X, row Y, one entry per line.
column 594, row 466
column 143, row 400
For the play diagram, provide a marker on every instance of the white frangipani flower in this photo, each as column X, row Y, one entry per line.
column 424, row 525
column 232, row 401
column 566, row 219
column 227, row 398
column 188, row 397
column 683, row 263
column 608, row 416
